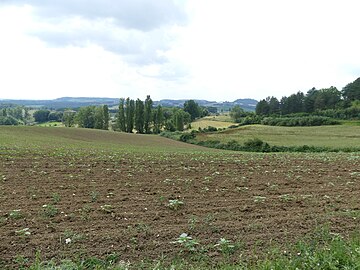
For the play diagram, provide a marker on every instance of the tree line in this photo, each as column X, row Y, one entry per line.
column 14, row 115
column 313, row 101
column 132, row 116
column 143, row 117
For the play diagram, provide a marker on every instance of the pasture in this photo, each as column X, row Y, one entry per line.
column 338, row 136
column 75, row 194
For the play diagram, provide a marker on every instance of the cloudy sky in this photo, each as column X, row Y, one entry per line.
column 205, row 49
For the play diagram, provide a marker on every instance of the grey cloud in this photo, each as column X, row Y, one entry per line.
column 143, row 15
column 135, row 29
column 135, row 47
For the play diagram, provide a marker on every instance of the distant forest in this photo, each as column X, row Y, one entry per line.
column 331, row 102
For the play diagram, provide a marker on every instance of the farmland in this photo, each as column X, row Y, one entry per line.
column 221, row 121
column 75, row 193
column 339, row 136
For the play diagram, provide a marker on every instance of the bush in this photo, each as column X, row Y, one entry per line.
column 299, row 121
column 187, row 137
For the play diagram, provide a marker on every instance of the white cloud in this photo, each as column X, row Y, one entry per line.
column 209, row 49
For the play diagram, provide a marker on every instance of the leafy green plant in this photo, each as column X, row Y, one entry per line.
column 23, row 232
column 108, row 208
column 21, row 261
column 94, row 196
column 175, row 204
column 56, row 198
column 259, row 199
column 16, row 214
column 193, row 220
column 49, row 210
column 225, row 246
column 186, row 242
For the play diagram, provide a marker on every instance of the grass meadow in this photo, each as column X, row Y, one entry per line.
column 338, row 136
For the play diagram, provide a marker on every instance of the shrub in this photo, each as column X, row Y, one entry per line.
column 187, row 137
column 299, row 121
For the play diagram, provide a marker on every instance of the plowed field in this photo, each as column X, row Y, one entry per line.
column 91, row 202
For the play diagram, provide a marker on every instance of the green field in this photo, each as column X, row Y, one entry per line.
column 77, row 138
column 338, row 136
column 51, row 124
column 220, row 117
column 204, row 123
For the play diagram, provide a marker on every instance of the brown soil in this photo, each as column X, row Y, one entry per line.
column 258, row 200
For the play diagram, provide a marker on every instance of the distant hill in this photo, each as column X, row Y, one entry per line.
column 76, row 102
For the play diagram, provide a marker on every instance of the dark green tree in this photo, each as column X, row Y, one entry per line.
column 106, row 117
column 292, row 104
column 147, row 114
column 262, row 107
column 179, row 120
column 85, row 117
column 120, row 118
column 41, row 116
column 274, row 105
column 192, row 108
column 351, row 91
column 139, row 116
column 129, row 114
column 309, row 102
column 158, row 119
column 55, row 116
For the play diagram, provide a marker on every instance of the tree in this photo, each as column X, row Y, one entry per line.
column 192, row 108
column 351, row 91
column 292, row 104
column 309, row 102
column 129, row 114
column 120, row 119
column 41, row 116
column 327, row 98
column 8, row 121
column 106, row 117
column 274, row 105
column 85, row 117
column 68, row 118
column 179, row 121
column 147, row 114
column 99, row 118
column 237, row 113
column 55, row 116
column 158, row 119
column 262, row 108
column 139, row 116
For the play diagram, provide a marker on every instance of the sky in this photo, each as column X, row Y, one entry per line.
column 217, row 50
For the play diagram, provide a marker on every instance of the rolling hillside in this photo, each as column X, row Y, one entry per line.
column 77, row 138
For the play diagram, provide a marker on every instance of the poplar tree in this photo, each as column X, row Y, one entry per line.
column 158, row 119
column 129, row 114
column 120, row 120
column 106, row 117
column 139, row 116
column 147, row 114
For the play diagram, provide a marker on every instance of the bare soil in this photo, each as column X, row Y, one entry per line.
column 111, row 202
